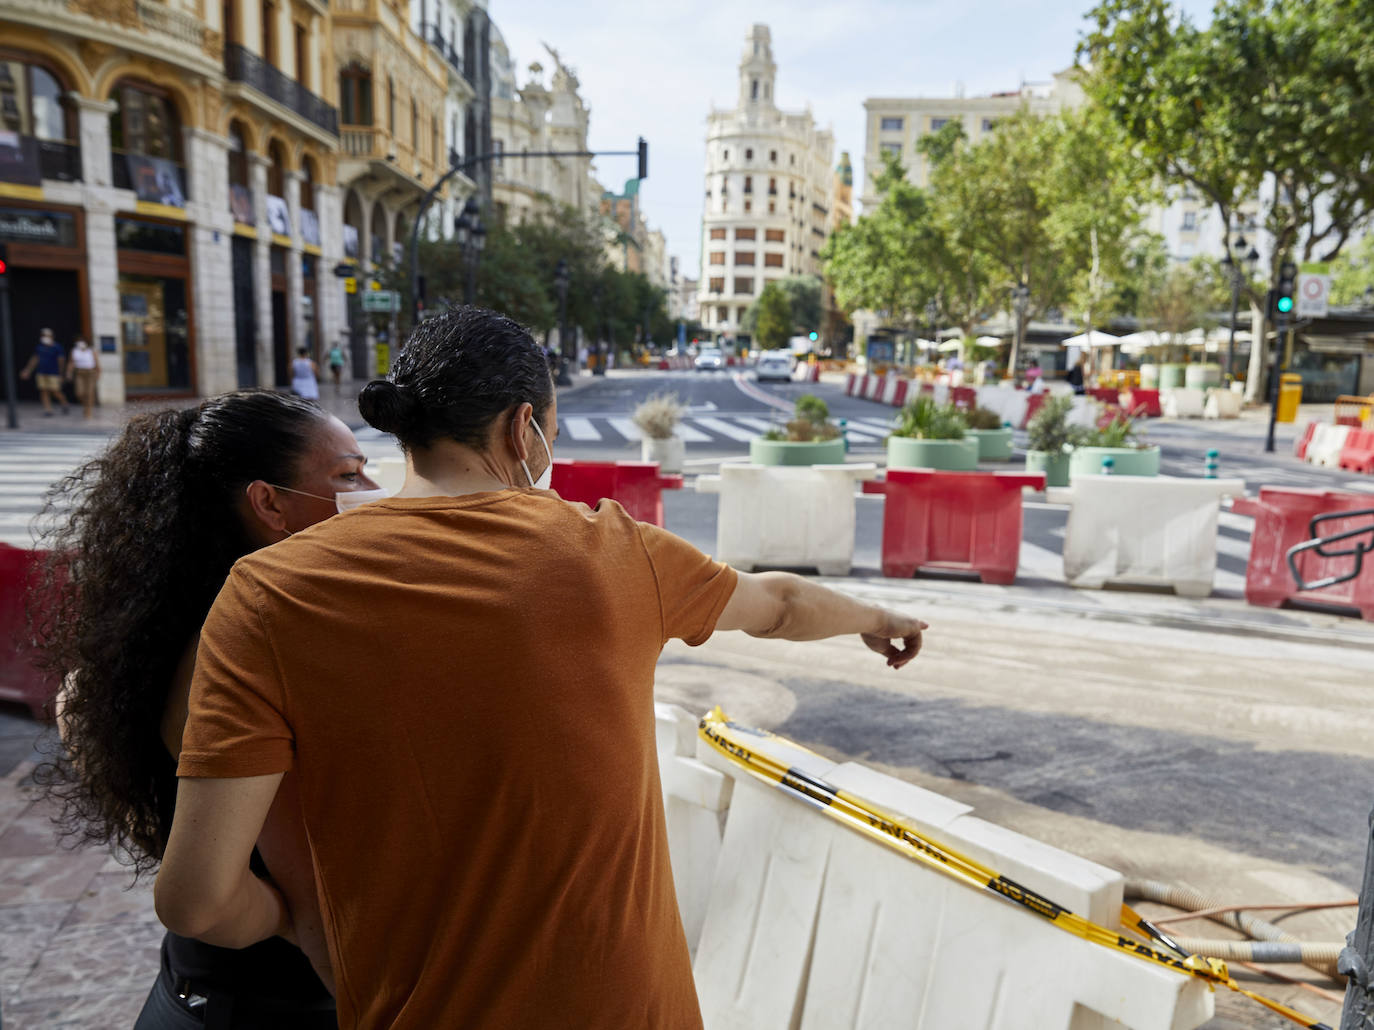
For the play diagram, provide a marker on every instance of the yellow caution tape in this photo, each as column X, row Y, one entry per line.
column 734, row 741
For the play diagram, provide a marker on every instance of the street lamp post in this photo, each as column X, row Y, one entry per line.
column 932, row 313
column 1239, row 270
column 1020, row 302
column 599, row 369
column 472, row 237
column 561, row 279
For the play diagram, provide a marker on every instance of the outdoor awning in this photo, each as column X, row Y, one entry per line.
column 989, row 341
column 949, row 346
column 1092, row 338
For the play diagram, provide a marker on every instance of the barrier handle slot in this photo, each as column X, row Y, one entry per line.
column 1357, row 552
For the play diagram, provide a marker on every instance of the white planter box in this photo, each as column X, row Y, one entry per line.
column 1182, row 402
column 1326, row 444
column 1145, row 531
column 668, row 453
column 1009, row 404
column 786, row 516
column 1222, row 403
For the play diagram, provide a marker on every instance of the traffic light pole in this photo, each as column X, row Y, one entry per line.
column 1280, row 328
column 7, row 353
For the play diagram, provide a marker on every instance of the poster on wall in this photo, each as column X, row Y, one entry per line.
column 156, row 180
column 350, row 241
column 241, row 204
column 19, row 159
column 310, row 228
column 278, row 217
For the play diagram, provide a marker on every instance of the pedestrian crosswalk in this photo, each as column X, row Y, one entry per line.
column 29, row 464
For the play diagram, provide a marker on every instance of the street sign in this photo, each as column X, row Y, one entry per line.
column 345, row 271
column 1314, row 291
column 350, row 285
column 381, row 301
column 383, row 359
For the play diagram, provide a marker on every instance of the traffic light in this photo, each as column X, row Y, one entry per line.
column 1288, row 274
column 643, row 158
column 814, row 336
column 4, row 261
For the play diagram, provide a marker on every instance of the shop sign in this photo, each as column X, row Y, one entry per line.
column 26, row 225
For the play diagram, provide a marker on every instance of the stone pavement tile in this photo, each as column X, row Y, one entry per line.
column 85, row 961
column 76, row 1012
column 112, row 899
column 25, row 931
column 57, row 876
column 29, row 834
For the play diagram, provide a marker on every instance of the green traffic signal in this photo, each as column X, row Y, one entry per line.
column 1285, row 304
column 814, row 336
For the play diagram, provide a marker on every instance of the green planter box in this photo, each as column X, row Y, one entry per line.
column 1149, row 376
column 1199, row 377
column 1055, row 466
column 1170, row 376
column 1126, row 461
column 993, row 444
column 946, row 455
column 783, row 452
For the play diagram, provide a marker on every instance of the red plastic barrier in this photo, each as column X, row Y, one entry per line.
column 1282, row 516
column 899, row 394
column 928, row 389
column 1105, row 394
column 663, row 364
column 637, row 485
column 20, row 680
column 968, row 521
column 873, row 387
column 812, row 374
column 964, row 398
column 849, row 384
column 1300, row 449
column 1033, row 404
column 1358, row 453
column 1144, row 401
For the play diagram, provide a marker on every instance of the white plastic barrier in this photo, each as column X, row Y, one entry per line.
column 1143, row 530
column 1222, row 403
column 1006, row 403
column 810, row 924
column 942, row 394
column 1059, row 388
column 1326, row 444
column 1181, row 402
column 889, row 390
column 1084, row 411
column 786, row 516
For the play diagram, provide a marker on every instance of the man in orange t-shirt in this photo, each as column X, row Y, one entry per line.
column 462, row 679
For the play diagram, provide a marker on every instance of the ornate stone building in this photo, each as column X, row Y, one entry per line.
column 768, row 193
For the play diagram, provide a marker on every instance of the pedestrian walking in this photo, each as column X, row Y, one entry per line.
column 83, row 368
column 196, row 489
column 500, row 755
column 46, row 367
column 1077, row 374
column 336, row 366
column 303, row 376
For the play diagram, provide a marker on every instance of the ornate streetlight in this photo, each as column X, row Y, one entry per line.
column 561, row 279
column 472, row 237
column 1240, row 271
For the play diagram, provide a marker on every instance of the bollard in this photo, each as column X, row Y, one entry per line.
column 1210, row 466
column 1108, row 465
column 844, row 432
column 1358, row 954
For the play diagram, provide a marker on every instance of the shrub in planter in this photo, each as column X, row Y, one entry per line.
column 994, row 439
column 1051, row 438
column 1113, row 438
column 932, row 436
column 810, row 438
column 657, row 418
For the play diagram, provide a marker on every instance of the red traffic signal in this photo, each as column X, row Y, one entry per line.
column 4, row 259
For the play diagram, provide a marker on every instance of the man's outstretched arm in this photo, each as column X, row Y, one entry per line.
column 788, row 607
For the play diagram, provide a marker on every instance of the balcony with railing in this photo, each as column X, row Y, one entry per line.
column 445, row 48
column 154, row 179
column 242, row 65
column 30, row 160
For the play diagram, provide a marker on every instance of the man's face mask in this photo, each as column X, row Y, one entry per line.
column 344, row 499
column 546, row 478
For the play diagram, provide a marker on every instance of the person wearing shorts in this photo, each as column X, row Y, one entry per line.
column 46, row 368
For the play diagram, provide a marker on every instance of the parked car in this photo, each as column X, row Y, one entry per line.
column 709, row 359
column 774, row 365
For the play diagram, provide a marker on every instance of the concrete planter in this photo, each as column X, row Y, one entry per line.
column 1222, row 403
column 993, row 444
column 947, row 455
column 1199, row 377
column 1149, row 376
column 1182, row 402
column 782, row 517
column 1126, row 461
column 669, row 452
column 1149, row 531
column 1170, row 376
column 784, row 452
column 1055, row 466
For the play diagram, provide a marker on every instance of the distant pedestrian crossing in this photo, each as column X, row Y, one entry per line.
column 29, row 464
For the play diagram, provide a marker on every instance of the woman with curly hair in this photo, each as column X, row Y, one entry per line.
column 141, row 540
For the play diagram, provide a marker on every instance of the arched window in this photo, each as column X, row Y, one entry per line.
column 353, row 225
column 355, row 95
column 145, row 144
column 240, row 189
column 310, row 221
column 378, row 234
column 276, row 170
column 33, row 105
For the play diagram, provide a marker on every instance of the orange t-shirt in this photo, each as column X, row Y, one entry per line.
column 464, row 687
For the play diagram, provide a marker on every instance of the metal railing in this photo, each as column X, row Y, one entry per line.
column 359, row 142
column 124, row 179
column 172, row 21
column 242, row 65
column 435, row 37
column 61, row 161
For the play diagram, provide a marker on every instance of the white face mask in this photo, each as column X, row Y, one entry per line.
column 344, row 499
column 547, row 477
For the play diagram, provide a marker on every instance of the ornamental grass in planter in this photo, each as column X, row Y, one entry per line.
column 810, row 438
column 1113, row 438
column 657, row 418
column 932, row 436
column 1051, row 440
column 994, row 439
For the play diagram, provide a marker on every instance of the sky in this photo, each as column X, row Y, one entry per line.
column 655, row 68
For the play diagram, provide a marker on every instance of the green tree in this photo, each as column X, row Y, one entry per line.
column 1352, row 273
column 773, row 320
column 1257, row 107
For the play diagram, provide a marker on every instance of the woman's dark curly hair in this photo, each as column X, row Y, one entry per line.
column 139, row 542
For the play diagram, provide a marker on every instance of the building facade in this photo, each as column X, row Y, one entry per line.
column 179, row 181
column 768, row 193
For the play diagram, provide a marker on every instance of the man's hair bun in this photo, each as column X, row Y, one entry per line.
column 389, row 408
